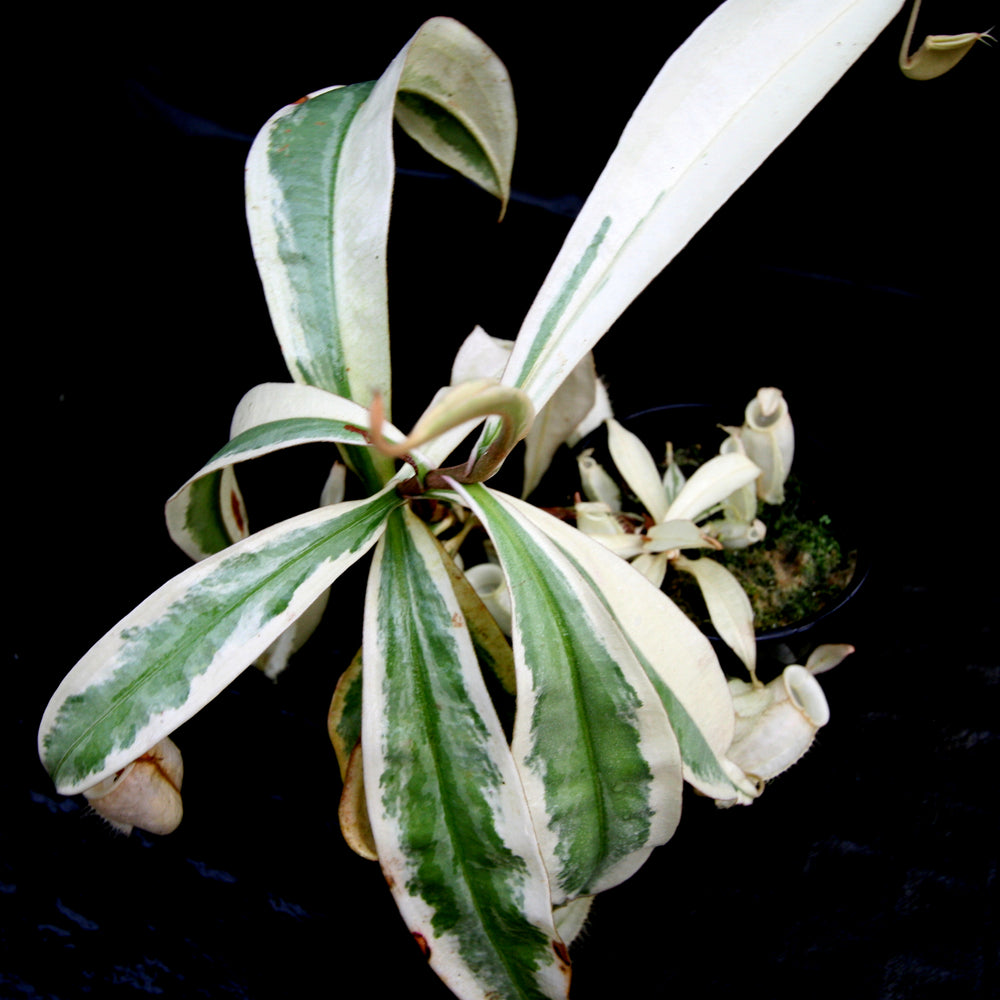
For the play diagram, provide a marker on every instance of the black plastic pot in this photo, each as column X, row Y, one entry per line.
column 687, row 424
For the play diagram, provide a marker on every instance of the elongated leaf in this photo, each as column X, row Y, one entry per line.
column 591, row 738
column 447, row 810
column 319, row 186
column 177, row 650
column 638, row 468
column 710, row 484
column 676, row 656
column 728, row 606
column 721, row 104
column 207, row 512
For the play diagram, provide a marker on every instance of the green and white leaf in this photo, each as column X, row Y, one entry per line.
column 319, row 187
column 676, row 656
column 274, row 659
column 728, row 606
column 722, row 103
column 448, row 814
column 456, row 100
column 592, row 741
column 207, row 512
column 175, row 652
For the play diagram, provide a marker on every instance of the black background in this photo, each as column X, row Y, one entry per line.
column 856, row 270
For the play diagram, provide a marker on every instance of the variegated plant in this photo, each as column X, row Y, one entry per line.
column 715, row 508
column 492, row 846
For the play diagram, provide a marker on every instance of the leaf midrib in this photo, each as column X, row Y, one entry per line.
column 191, row 638
column 424, row 692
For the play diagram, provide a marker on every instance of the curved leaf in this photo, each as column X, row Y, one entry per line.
column 353, row 809
column 319, row 186
column 174, row 653
column 455, row 99
column 207, row 512
column 343, row 721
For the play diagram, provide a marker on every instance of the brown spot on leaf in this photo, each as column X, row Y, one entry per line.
column 422, row 943
column 562, row 953
column 234, row 502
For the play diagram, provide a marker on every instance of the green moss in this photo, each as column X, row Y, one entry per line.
column 798, row 569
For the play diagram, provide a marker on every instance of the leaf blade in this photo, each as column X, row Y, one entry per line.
column 207, row 513
column 591, row 738
column 175, row 652
column 728, row 606
column 703, row 127
column 319, row 185
column 446, row 807
column 460, row 110
column 674, row 653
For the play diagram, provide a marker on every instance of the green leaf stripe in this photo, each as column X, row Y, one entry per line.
column 674, row 654
column 302, row 146
column 448, row 813
column 451, row 133
column 592, row 740
column 191, row 638
column 527, row 368
column 284, row 434
column 526, row 375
